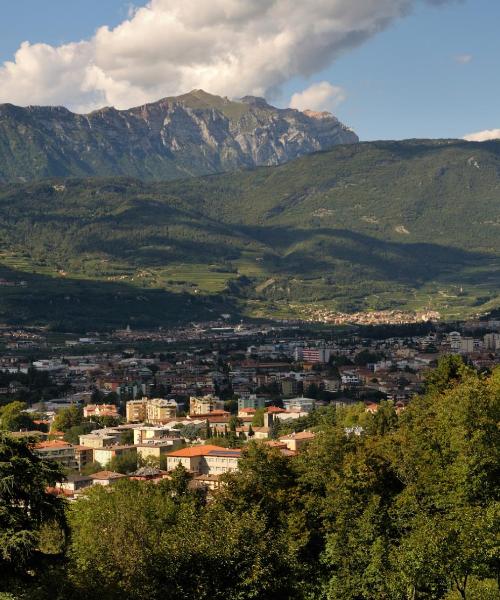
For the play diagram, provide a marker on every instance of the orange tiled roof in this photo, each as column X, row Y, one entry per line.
column 195, row 451
column 53, row 444
column 302, row 435
column 275, row 409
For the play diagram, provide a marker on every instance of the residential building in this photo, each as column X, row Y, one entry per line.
column 300, row 404
column 100, row 410
column 251, row 401
column 205, row 459
column 289, row 386
column 159, row 410
column 75, row 483
column 202, row 405
column 83, row 456
column 296, row 441
column 492, row 341
column 157, row 448
column 96, row 439
column 58, row 451
column 313, row 355
column 136, row 411
column 148, row 433
column 467, row 345
column 105, row 454
column 106, row 477
column 151, row 410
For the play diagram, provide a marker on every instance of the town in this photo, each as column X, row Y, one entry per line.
column 138, row 404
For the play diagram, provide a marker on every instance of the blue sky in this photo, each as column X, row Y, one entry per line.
column 434, row 73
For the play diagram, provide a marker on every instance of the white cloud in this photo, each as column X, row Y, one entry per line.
column 463, row 59
column 319, row 96
column 483, row 136
column 229, row 47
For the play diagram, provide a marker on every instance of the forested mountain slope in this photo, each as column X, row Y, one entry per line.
column 375, row 225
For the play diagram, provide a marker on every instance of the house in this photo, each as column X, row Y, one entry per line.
column 149, row 474
column 205, row 459
column 106, row 477
column 75, row 483
column 100, row 410
column 296, row 441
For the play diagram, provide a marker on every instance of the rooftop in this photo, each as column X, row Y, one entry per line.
column 103, row 475
column 204, row 450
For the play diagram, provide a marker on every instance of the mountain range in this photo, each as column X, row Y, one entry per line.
column 193, row 134
column 362, row 226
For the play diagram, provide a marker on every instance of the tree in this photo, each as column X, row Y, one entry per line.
column 67, row 418
column 25, row 506
column 14, row 418
column 450, row 370
column 72, row 435
column 123, row 463
column 234, row 423
column 258, row 417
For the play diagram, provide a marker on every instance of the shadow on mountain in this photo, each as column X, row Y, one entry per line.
column 83, row 305
column 319, row 251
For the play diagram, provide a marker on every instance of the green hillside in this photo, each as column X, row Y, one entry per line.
column 369, row 226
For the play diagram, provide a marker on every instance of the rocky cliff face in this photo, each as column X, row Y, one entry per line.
column 193, row 134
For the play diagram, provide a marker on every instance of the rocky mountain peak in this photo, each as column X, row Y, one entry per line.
column 197, row 133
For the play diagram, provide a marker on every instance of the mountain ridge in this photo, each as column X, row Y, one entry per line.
column 189, row 135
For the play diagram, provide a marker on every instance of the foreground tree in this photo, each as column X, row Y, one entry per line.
column 27, row 511
column 14, row 418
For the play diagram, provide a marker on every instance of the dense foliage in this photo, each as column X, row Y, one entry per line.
column 25, row 507
column 408, row 510
column 368, row 226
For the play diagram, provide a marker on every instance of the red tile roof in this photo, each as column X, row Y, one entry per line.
column 195, row 451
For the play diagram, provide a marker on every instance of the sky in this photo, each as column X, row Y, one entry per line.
column 390, row 69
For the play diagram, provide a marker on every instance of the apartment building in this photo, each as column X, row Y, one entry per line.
column 205, row 459
column 159, row 410
column 251, row 401
column 151, row 410
column 157, row 448
column 96, row 439
column 136, row 411
column 105, row 454
column 58, row 451
column 312, row 355
column 492, row 341
column 204, row 405
column 300, row 404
